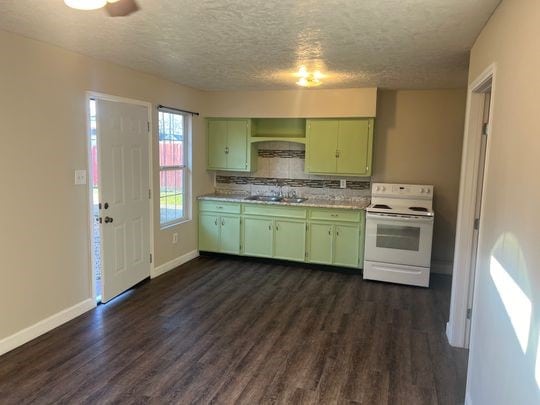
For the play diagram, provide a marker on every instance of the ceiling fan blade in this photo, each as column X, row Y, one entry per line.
column 121, row 8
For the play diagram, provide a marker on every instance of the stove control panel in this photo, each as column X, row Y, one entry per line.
column 414, row 191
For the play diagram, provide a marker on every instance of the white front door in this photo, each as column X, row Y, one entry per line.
column 122, row 133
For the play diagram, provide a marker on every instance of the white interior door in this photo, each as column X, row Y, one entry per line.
column 477, row 212
column 122, row 133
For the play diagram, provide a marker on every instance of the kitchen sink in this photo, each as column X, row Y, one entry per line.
column 272, row 198
column 296, row 200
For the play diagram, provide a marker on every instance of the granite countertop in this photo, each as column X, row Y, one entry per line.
column 351, row 204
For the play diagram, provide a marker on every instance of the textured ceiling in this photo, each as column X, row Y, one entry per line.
column 257, row 44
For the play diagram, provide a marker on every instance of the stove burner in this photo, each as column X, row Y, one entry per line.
column 382, row 206
column 422, row 209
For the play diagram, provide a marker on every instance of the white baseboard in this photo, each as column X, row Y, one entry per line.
column 19, row 338
column 164, row 268
column 441, row 267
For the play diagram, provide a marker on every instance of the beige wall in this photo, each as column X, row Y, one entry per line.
column 44, row 216
column 418, row 137
column 293, row 103
column 500, row 371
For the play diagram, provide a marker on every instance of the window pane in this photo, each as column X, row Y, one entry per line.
column 171, row 139
column 171, row 195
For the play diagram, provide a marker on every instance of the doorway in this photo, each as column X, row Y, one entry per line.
column 119, row 141
column 479, row 118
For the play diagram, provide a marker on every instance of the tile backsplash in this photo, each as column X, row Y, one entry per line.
column 281, row 164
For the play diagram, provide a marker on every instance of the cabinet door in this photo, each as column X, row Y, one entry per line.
column 320, row 243
column 290, row 240
column 321, row 146
column 209, row 232
column 258, row 237
column 217, row 144
column 237, row 140
column 354, row 146
column 230, row 234
column 346, row 245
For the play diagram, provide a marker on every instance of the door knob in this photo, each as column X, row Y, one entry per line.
column 106, row 205
column 108, row 219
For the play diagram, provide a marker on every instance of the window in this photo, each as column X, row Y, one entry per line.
column 173, row 137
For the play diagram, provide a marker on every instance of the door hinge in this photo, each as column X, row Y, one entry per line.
column 306, row 255
column 306, row 227
column 150, row 257
column 469, row 313
column 485, row 128
column 149, row 194
column 148, row 126
column 477, row 223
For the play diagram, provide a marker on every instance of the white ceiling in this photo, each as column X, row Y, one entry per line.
column 256, row 44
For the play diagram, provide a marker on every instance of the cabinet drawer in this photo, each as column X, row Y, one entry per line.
column 217, row 206
column 336, row 215
column 274, row 211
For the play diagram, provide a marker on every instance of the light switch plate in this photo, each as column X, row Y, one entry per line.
column 343, row 183
column 80, row 177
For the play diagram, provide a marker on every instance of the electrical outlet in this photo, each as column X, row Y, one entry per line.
column 80, row 177
column 343, row 183
column 175, row 238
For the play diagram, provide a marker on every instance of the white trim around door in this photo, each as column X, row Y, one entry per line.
column 108, row 97
column 463, row 271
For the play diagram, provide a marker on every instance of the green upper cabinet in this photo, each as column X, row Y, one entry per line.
column 321, row 147
column 339, row 146
column 228, row 145
column 217, row 144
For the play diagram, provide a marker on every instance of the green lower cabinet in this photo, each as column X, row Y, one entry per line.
column 334, row 244
column 258, row 237
column 290, row 240
column 219, row 233
column 331, row 237
column 346, row 245
column 320, row 239
column 229, row 241
column 209, row 232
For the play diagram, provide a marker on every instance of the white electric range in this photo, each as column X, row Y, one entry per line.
column 399, row 230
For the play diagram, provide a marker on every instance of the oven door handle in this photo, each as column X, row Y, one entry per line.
column 397, row 217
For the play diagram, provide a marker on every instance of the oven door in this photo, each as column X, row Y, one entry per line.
column 398, row 239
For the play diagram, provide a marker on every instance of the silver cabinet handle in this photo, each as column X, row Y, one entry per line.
column 226, row 149
column 222, row 222
column 215, row 222
column 269, row 227
column 277, row 227
column 334, row 215
column 330, row 231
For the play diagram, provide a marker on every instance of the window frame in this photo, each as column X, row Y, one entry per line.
column 185, row 168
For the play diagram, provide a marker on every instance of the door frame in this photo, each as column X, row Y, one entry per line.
column 464, row 269
column 102, row 96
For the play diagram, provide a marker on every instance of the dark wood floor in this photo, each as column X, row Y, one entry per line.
column 228, row 330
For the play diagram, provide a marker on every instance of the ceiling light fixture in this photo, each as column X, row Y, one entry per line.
column 85, row 4
column 115, row 8
column 308, row 79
